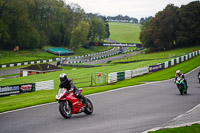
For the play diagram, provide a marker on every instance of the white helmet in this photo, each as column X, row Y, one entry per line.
column 178, row 72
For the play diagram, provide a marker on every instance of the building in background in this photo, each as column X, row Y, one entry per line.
column 38, row 69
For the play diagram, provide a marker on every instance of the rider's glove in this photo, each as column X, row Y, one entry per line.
column 71, row 89
column 67, row 91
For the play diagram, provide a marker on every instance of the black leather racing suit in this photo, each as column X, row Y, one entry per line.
column 69, row 85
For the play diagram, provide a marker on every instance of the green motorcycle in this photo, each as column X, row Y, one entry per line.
column 181, row 86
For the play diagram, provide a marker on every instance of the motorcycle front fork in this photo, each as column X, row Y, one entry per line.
column 66, row 105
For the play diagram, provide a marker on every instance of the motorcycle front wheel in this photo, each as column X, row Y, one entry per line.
column 180, row 87
column 89, row 107
column 65, row 110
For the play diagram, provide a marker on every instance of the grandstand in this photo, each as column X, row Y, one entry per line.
column 60, row 51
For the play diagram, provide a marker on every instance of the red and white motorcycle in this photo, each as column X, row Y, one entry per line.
column 69, row 104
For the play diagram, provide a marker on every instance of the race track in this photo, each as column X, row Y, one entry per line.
column 126, row 110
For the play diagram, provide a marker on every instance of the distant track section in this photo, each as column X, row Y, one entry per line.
column 116, row 44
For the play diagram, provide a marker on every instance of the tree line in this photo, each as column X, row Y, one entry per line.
column 173, row 27
column 123, row 19
column 33, row 24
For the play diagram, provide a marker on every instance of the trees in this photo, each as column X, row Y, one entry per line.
column 173, row 27
column 188, row 32
column 159, row 32
column 166, row 27
column 142, row 20
column 97, row 30
column 35, row 23
column 79, row 34
column 146, row 35
column 16, row 22
column 121, row 18
column 107, row 27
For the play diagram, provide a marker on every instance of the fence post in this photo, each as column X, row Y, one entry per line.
column 91, row 79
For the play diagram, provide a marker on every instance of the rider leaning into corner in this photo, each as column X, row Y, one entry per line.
column 181, row 76
column 68, row 84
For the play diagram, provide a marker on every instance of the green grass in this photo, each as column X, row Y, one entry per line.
column 29, row 55
column 125, row 32
column 122, row 32
column 23, row 55
column 16, row 74
column 132, row 48
column 159, row 55
column 81, row 72
column 156, row 76
column 195, row 128
column 34, row 98
column 39, row 97
column 95, row 49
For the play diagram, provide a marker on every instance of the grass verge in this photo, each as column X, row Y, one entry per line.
column 156, row 55
column 195, row 128
column 9, row 75
column 39, row 97
column 10, row 56
column 125, row 32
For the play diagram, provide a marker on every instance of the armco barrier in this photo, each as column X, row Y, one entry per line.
column 140, row 71
column 112, row 77
column 179, row 59
column 44, row 85
column 155, row 68
column 119, row 76
column 115, row 77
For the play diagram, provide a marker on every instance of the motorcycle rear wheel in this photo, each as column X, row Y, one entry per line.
column 89, row 107
column 66, row 112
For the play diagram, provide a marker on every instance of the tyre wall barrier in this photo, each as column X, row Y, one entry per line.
column 91, row 58
column 28, row 62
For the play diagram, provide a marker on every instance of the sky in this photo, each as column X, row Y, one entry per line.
column 132, row 8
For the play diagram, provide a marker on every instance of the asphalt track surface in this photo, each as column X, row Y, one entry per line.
column 101, row 61
column 10, row 71
column 117, row 57
column 126, row 110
